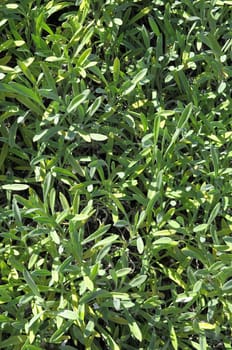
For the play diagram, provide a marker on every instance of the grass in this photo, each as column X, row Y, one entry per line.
column 115, row 175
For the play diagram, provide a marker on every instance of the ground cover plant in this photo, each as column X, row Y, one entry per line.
column 115, row 175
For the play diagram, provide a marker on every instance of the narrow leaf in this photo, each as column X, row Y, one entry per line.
column 106, row 241
column 46, row 134
column 154, row 26
column 214, row 213
column 31, row 283
column 227, row 287
column 134, row 328
column 137, row 281
column 201, row 227
column 116, row 69
column 173, row 337
column 97, row 234
column 140, row 245
column 77, row 100
column 68, row 314
column 94, row 107
column 15, row 187
column 139, row 76
column 98, row 137
column 21, row 90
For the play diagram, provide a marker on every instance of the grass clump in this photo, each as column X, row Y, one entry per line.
column 115, row 170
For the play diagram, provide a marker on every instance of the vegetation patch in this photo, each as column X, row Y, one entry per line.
column 115, row 175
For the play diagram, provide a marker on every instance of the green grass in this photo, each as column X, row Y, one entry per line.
column 115, row 175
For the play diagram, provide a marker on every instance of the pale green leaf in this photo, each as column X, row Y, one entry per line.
column 137, row 281
column 98, row 137
column 15, row 187
column 77, row 100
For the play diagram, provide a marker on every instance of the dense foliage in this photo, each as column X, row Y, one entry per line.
column 115, row 175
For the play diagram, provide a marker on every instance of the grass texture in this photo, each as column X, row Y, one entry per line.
column 115, row 175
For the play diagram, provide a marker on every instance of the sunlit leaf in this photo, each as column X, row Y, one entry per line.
column 15, row 187
column 77, row 100
column 137, row 281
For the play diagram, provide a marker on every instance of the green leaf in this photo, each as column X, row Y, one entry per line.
column 63, row 172
column 84, row 56
column 3, row 21
column 210, row 40
column 123, row 272
column 127, row 87
column 46, row 134
column 15, row 187
column 68, row 314
column 228, row 241
column 21, row 90
column 140, row 245
column 185, row 116
column 163, row 233
column 76, row 165
column 33, row 320
column 77, row 100
column 16, row 211
column 54, row 59
column 95, row 106
column 180, row 124
column 173, row 337
column 139, row 76
column 215, row 159
column 116, row 70
column 201, row 227
column 24, row 66
column 137, row 281
column 85, row 40
column 112, row 345
column 143, row 12
column 227, row 287
column 134, row 328
column 214, row 213
column 106, row 241
column 89, row 296
column 97, row 234
column 173, row 275
column 64, row 202
column 80, row 217
column 165, row 241
column 56, row 336
column 14, row 340
column 98, row 137
column 150, row 207
column 156, row 129
column 153, row 26
column 221, row 87
column 31, row 284
column 3, row 154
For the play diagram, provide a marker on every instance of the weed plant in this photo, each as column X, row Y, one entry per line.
column 115, row 175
